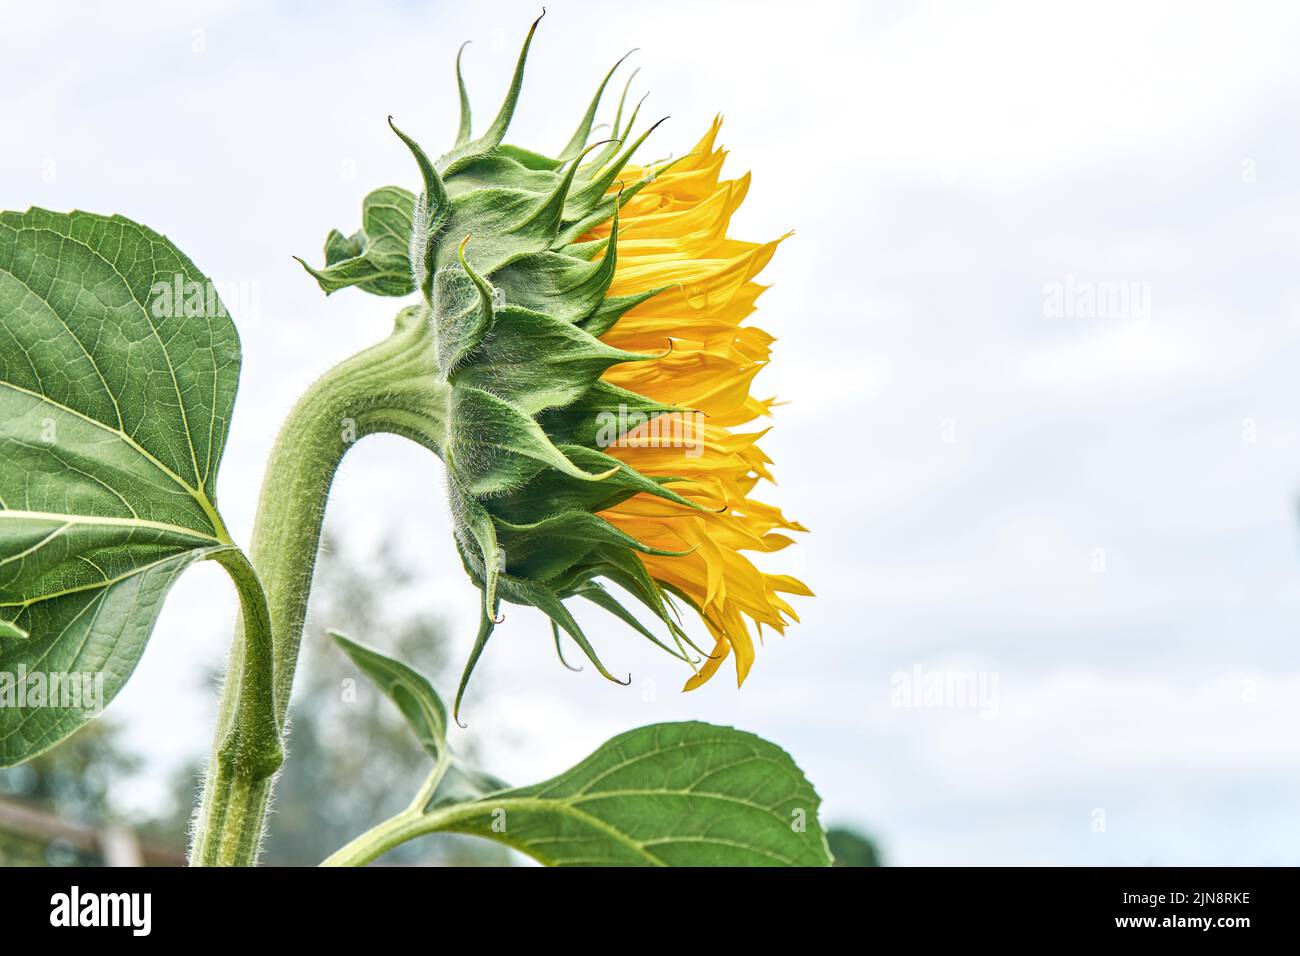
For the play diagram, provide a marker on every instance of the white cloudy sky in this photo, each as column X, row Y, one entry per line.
column 1097, row 510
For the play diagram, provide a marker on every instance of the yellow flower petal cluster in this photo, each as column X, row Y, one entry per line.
column 673, row 233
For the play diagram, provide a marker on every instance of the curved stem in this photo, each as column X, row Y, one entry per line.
column 417, row 821
column 396, row 830
column 430, row 786
column 248, row 749
column 377, row 841
column 396, row 379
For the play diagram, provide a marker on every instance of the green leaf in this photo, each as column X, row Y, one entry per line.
column 118, row 371
column 419, row 703
column 680, row 794
column 377, row 258
column 677, row 794
column 407, row 688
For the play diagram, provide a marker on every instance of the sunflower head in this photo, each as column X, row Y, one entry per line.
column 585, row 317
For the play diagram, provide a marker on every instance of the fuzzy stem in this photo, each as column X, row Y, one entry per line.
column 392, row 387
column 396, row 830
column 378, row 840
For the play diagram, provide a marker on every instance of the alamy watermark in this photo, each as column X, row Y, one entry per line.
column 181, row 297
column 1074, row 298
column 75, row 908
column 628, row 428
column 920, row 688
column 22, row 689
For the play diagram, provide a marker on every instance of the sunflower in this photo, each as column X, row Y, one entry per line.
column 585, row 323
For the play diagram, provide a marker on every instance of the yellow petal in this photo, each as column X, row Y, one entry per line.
column 673, row 234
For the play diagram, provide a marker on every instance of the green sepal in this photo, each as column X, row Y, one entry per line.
column 670, row 591
column 375, row 259
column 618, row 132
column 583, row 200
column 531, row 594
column 587, row 250
column 625, row 568
column 526, row 593
column 463, row 130
column 580, row 135
column 463, row 312
column 565, row 287
column 536, row 362
column 501, row 170
column 614, row 308
column 550, row 490
column 465, row 153
column 429, row 216
column 476, row 535
column 544, row 220
column 597, row 595
column 571, row 232
column 546, row 548
column 487, row 622
column 488, row 217
column 558, row 638
column 597, row 418
column 495, row 447
column 527, row 158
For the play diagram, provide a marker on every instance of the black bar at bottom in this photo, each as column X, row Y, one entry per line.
column 1174, row 905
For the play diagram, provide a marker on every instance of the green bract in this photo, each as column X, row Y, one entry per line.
column 513, row 305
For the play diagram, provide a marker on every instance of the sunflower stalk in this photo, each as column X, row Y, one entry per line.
column 391, row 387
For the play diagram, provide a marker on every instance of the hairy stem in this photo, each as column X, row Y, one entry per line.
column 396, row 830
column 378, row 840
column 393, row 387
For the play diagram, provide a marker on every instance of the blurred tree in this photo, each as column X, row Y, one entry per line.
column 851, row 848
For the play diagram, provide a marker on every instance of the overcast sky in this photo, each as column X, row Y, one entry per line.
column 1039, row 329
